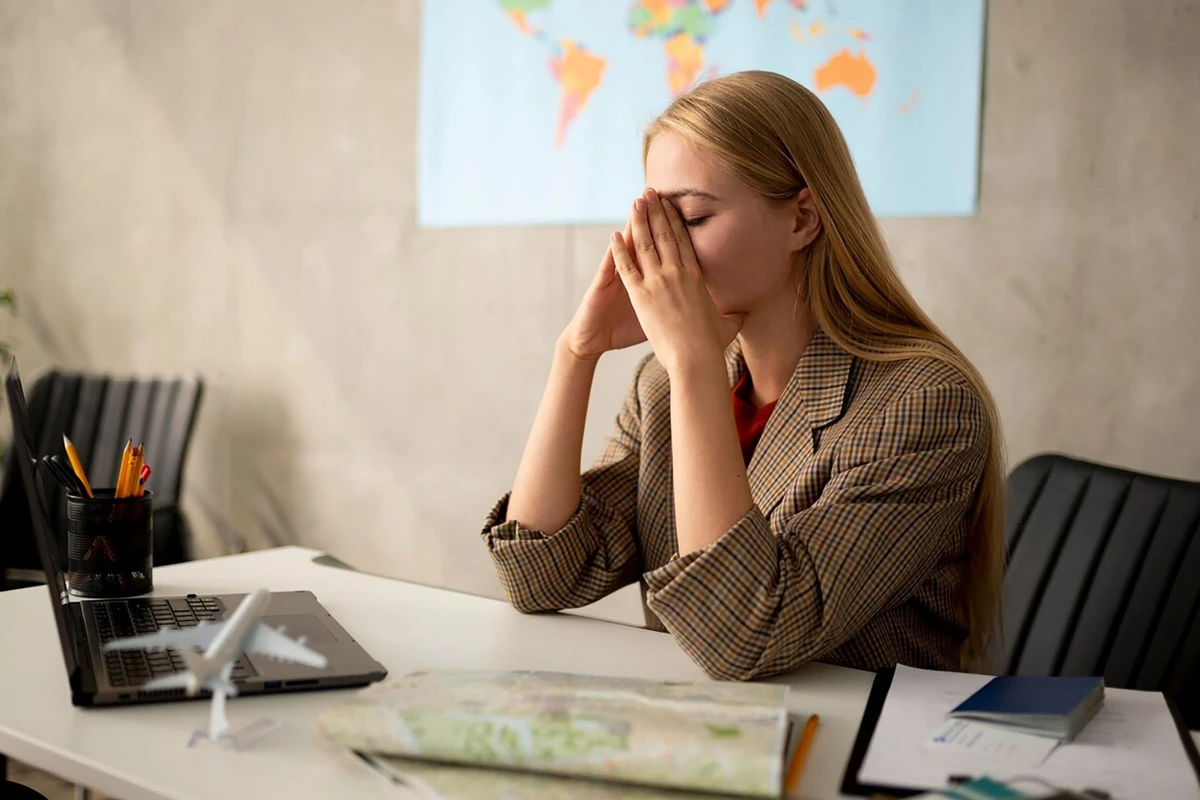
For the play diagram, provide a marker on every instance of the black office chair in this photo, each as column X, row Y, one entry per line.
column 100, row 413
column 17, row 791
column 1103, row 577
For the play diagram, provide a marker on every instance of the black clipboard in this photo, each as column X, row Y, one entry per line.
column 866, row 730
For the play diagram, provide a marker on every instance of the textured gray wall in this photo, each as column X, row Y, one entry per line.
column 228, row 186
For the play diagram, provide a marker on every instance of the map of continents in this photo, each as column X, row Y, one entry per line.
column 683, row 27
column 531, row 112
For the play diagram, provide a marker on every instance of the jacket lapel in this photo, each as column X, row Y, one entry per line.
column 814, row 398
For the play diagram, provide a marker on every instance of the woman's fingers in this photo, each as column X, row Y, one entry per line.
column 660, row 230
column 629, row 240
column 679, row 232
column 625, row 265
column 607, row 272
column 643, row 239
column 608, row 266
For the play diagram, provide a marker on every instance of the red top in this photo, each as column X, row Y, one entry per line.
column 750, row 420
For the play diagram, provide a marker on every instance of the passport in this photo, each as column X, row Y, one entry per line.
column 1058, row 707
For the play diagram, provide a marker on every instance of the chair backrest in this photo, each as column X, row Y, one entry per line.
column 1103, row 577
column 100, row 413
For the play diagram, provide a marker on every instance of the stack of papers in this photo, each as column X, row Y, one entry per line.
column 1132, row 749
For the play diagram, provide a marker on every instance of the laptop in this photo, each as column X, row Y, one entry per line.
column 102, row 678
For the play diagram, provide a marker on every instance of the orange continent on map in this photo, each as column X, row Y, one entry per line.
column 853, row 72
column 685, row 58
column 579, row 74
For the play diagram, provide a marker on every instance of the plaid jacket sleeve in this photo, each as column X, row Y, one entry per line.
column 761, row 601
column 595, row 552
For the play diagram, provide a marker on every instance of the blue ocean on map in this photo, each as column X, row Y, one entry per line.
column 532, row 111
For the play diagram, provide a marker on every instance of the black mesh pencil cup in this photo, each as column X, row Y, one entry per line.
column 110, row 544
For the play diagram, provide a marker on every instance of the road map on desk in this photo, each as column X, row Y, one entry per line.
column 708, row 736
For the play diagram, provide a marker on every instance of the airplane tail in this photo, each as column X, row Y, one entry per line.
column 205, row 674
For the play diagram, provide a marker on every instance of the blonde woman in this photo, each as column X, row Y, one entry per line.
column 806, row 467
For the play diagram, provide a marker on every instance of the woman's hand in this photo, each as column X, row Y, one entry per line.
column 605, row 319
column 667, row 290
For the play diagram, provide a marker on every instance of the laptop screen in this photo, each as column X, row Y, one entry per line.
column 39, row 512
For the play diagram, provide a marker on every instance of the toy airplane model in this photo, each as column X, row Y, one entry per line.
column 221, row 643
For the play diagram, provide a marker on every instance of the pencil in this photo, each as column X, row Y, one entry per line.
column 131, row 472
column 135, row 471
column 797, row 765
column 126, row 461
column 77, row 465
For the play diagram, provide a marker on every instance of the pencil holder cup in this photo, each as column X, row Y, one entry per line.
column 110, row 544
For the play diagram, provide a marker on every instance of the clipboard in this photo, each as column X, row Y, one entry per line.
column 866, row 731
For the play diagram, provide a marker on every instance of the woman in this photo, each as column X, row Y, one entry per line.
column 844, row 504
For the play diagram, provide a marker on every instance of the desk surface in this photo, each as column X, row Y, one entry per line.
column 139, row 752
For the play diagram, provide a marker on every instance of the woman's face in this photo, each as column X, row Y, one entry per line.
column 744, row 243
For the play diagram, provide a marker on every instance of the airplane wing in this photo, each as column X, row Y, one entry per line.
column 176, row 638
column 267, row 641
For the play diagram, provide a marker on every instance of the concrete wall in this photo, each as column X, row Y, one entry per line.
column 228, row 186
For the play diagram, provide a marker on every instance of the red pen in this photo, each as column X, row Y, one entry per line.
column 143, row 477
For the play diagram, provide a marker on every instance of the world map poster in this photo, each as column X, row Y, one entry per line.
column 532, row 111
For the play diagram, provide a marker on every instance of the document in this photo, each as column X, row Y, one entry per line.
column 1132, row 749
column 1015, row 748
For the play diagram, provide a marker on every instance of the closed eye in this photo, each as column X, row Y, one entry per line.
column 696, row 221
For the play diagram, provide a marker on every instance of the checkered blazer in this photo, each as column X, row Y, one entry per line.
column 853, row 553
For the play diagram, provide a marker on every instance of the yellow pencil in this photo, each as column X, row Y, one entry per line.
column 130, row 474
column 139, row 458
column 123, row 471
column 798, row 759
column 77, row 465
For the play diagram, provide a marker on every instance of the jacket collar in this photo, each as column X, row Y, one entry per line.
column 814, row 398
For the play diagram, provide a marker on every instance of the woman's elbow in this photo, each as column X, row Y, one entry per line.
column 725, row 667
column 720, row 667
column 530, row 603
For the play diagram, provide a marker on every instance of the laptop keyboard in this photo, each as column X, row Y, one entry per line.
column 117, row 619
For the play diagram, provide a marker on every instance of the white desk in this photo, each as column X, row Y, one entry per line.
column 139, row 752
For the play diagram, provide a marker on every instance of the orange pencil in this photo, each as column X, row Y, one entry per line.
column 798, row 759
column 123, row 471
column 77, row 465
column 135, row 470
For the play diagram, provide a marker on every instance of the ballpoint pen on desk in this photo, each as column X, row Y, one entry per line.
column 801, row 755
column 77, row 465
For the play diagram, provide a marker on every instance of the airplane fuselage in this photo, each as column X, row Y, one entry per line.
column 228, row 644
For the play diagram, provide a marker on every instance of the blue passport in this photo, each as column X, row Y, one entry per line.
column 1048, row 706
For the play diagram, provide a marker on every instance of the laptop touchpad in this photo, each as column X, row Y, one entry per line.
column 297, row 625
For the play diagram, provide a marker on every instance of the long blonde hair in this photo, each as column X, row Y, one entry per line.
column 779, row 138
